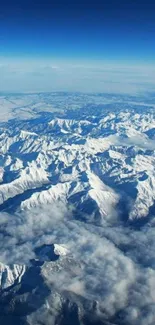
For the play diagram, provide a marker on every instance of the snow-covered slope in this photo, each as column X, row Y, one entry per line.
column 10, row 275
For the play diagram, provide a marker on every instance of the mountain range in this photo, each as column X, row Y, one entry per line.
column 77, row 205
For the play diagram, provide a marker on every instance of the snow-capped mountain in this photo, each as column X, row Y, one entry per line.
column 92, row 157
column 95, row 160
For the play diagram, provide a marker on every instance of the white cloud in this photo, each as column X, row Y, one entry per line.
column 142, row 141
column 117, row 263
column 33, row 76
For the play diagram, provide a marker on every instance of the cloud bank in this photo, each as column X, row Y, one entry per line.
column 37, row 76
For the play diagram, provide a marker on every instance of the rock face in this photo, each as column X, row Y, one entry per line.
column 77, row 186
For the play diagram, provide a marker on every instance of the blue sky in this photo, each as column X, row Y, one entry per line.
column 72, row 33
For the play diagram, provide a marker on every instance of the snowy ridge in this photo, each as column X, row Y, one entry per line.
column 11, row 274
column 28, row 178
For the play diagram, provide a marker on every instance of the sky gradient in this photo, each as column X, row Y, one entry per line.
column 76, row 32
